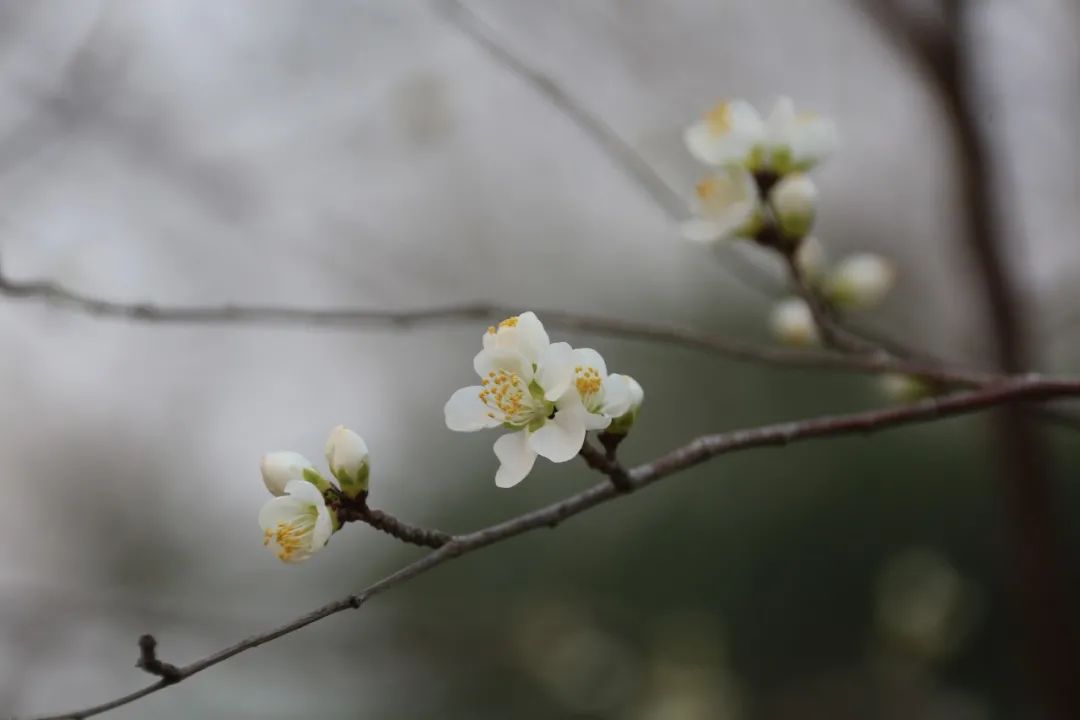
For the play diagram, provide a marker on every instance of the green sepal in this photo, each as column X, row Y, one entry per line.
column 352, row 486
column 312, row 476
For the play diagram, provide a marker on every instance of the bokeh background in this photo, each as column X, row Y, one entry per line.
column 379, row 154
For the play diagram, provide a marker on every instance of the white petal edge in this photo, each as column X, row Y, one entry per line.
column 702, row 231
column 464, row 412
column 556, row 370
column 561, row 438
column 516, row 458
column 497, row 358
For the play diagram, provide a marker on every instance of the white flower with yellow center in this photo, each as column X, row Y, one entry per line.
column 797, row 140
column 298, row 523
column 728, row 205
column 730, row 133
column 538, row 400
column 603, row 396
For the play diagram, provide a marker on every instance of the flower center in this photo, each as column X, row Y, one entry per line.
column 510, row 399
column 292, row 538
column 718, row 120
column 509, row 322
column 588, row 383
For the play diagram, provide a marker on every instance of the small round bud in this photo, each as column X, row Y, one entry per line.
column 793, row 322
column 279, row 468
column 811, row 258
column 904, row 388
column 622, row 424
column 794, row 201
column 860, row 281
column 347, row 456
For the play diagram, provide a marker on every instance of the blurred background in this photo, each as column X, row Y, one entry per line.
column 387, row 155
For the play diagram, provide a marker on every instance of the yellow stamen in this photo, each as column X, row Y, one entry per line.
column 718, row 120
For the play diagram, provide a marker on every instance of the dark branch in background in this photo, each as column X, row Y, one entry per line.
column 687, row 456
column 941, row 50
column 56, row 294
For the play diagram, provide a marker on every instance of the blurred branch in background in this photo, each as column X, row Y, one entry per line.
column 941, row 48
column 622, row 482
column 54, row 293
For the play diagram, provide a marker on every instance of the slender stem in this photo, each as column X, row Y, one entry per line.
column 689, row 455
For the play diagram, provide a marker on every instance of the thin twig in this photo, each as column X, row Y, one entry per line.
column 54, row 293
column 689, row 455
column 624, row 156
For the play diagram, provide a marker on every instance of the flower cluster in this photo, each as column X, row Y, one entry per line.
column 298, row 522
column 755, row 157
column 546, row 395
column 759, row 188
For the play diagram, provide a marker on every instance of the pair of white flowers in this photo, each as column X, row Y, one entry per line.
column 297, row 522
column 735, row 139
column 547, row 395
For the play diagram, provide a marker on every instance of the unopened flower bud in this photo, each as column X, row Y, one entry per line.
column 794, row 201
column 860, row 281
column 622, row 424
column 278, row 468
column 347, row 455
column 811, row 258
column 904, row 388
column 793, row 322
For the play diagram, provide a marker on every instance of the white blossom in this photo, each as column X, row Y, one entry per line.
column 727, row 205
column 298, row 523
column 793, row 322
column 794, row 202
column 860, row 281
column 281, row 467
column 546, row 394
column 729, row 134
column 347, row 456
column 797, row 140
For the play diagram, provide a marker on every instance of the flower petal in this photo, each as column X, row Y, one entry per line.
column 701, row 230
column 561, row 438
column 617, row 397
column 465, row 412
column 556, row 370
column 496, row 358
column 587, row 357
column 532, row 336
column 516, row 458
column 324, row 528
column 281, row 510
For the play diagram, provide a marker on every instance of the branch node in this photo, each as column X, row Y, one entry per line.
column 148, row 661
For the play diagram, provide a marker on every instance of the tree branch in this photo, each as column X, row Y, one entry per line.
column 56, row 294
column 687, row 456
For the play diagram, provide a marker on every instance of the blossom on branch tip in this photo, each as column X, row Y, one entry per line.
column 730, row 133
column 547, row 395
column 794, row 204
column 347, row 456
column 860, row 281
column 793, row 322
column 728, row 205
column 797, row 141
column 298, row 523
column 281, row 467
